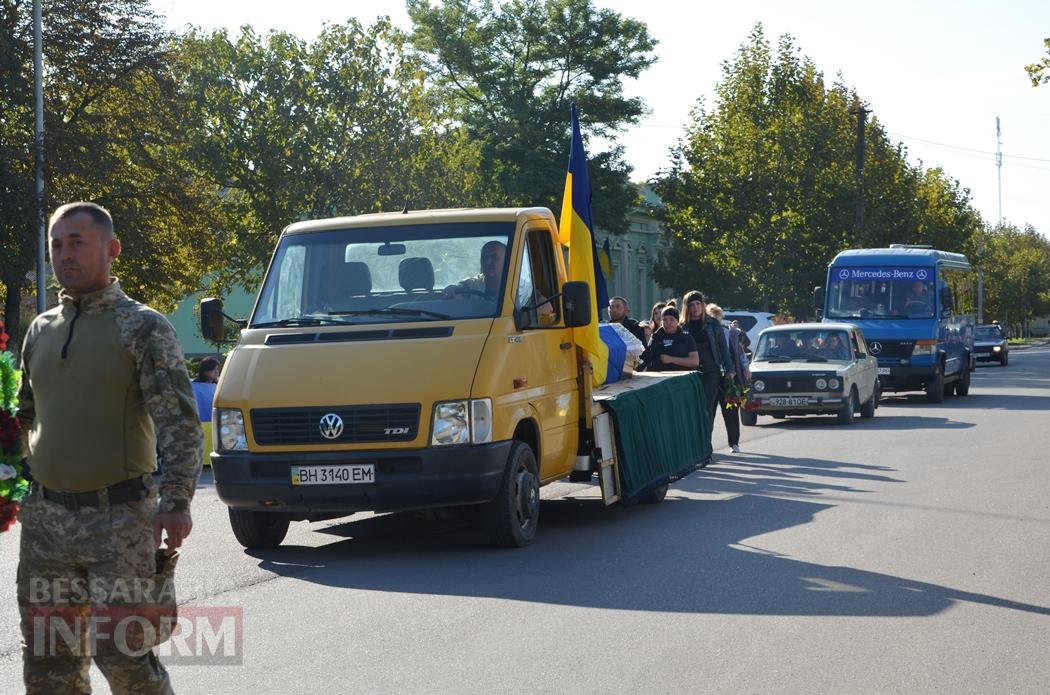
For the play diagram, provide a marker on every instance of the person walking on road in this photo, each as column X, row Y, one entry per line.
column 731, row 414
column 715, row 361
column 100, row 372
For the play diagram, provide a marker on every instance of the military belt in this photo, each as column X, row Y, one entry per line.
column 125, row 491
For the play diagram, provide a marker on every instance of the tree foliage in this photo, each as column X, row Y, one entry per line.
column 511, row 71
column 761, row 191
column 112, row 135
column 1016, row 274
column 1039, row 72
column 288, row 130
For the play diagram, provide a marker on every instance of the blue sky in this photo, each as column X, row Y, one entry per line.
column 935, row 73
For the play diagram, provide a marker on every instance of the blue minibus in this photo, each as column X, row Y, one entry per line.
column 905, row 299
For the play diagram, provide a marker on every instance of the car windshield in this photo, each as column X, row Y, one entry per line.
column 384, row 274
column 804, row 345
column 988, row 333
column 881, row 293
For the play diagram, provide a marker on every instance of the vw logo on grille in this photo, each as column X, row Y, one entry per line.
column 876, row 347
column 331, row 426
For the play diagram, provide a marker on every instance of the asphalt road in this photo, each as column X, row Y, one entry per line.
column 905, row 554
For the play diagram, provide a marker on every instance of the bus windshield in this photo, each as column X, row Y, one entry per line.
column 423, row 272
column 881, row 293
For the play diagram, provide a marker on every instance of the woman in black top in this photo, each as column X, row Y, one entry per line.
column 715, row 359
column 670, row 349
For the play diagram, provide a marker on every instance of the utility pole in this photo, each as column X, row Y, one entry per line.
column 999, row 166
column 858, row 220
column 38, row 80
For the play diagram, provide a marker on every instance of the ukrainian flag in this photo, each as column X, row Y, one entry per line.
column 576, row 231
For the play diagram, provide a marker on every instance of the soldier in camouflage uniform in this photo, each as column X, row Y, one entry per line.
column 103, row 383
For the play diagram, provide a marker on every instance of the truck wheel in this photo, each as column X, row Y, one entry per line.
column 1004, row 360
column 748, row 418
column 511, row 519
column 848, row 409
column 654, row 495
column 935, row 387
column 868, row 409
column 258, row 530
column 962, row 386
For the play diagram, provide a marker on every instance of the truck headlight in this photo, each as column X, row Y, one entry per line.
column 758, row 385
column 821, row 384
column 462, row 422
column 230, row 436
column 833, row 384
column 997, row 348
column 924, row 347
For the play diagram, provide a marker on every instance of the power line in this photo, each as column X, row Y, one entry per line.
column 964, row 149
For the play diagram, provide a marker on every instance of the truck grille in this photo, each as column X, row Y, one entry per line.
column 895, row 349
column 397, row 422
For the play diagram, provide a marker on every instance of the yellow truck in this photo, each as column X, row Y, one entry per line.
column 426, row 359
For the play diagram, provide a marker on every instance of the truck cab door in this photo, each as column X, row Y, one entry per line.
column 548, row 364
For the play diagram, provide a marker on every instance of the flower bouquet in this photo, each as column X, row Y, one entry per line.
column 736, row 393
column 13, row 482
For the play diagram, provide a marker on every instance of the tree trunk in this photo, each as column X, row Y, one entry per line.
column 12, row 313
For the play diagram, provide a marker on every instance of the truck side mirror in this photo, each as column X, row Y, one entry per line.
column 212, row 327
column 946, row 299
column 576, row 304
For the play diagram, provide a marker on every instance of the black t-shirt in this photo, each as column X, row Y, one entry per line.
column 708, row 360
column 678, row 344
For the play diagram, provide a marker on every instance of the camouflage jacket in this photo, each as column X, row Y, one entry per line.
column 104, row 382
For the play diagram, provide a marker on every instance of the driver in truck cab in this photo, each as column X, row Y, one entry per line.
column 487, row 282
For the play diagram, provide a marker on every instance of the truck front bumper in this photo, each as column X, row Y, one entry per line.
column 404, row 479
column 907, row 377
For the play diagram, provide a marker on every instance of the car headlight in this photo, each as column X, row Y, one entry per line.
column 821, row 384
column 758, row 385
column 231, row 436
column 997, row 348
column 462, row 422
column 833, row 384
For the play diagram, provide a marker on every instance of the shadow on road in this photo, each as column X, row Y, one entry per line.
column 883, row 420
column 683, row 556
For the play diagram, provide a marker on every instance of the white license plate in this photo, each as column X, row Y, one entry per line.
column 800, row 400
column 884, row 371
column 344, row 474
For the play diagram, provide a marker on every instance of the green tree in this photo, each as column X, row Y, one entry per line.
column 112, row 117
column 760, row 195
column 287, row 130
column 513, row 69
column 1016, row 274
column 1039, row 72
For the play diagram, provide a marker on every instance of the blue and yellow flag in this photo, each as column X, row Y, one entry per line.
column 605, row 262
column 576, row 231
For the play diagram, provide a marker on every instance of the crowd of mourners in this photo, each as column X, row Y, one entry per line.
column 699, row 340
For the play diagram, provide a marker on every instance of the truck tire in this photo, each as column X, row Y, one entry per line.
column 654, row 495
column 258, row 530
column 1005, row 359
column 935, row 387
column 511, row 519
column 962, row 386
column 748, row 418
column 849, row 409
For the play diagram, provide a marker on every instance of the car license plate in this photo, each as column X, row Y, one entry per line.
column 343, row 474
column 800, row 400
column 884, row 371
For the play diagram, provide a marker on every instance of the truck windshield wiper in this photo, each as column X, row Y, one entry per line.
column 300, row 321
column 774, row 358
column 396, row 311
column 816, row 359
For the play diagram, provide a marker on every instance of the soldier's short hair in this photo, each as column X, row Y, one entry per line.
column 99, row 215
column 618, row 298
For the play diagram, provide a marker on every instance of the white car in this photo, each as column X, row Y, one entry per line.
column 751, row 322
column 812, row 369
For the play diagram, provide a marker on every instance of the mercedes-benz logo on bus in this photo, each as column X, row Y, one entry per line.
column 331, row 426
column 921, row 274
column 875, row 347
column 844, row 274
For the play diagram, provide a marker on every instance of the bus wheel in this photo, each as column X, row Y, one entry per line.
column 258, row 530
column 935, row 387
column 962, row 386
column 511, row 519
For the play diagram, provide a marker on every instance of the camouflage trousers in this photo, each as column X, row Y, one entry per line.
column 81, row 574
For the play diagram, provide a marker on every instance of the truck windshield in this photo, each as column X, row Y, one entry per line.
column 805, row 345
column 881, row 293
column 423, row 272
